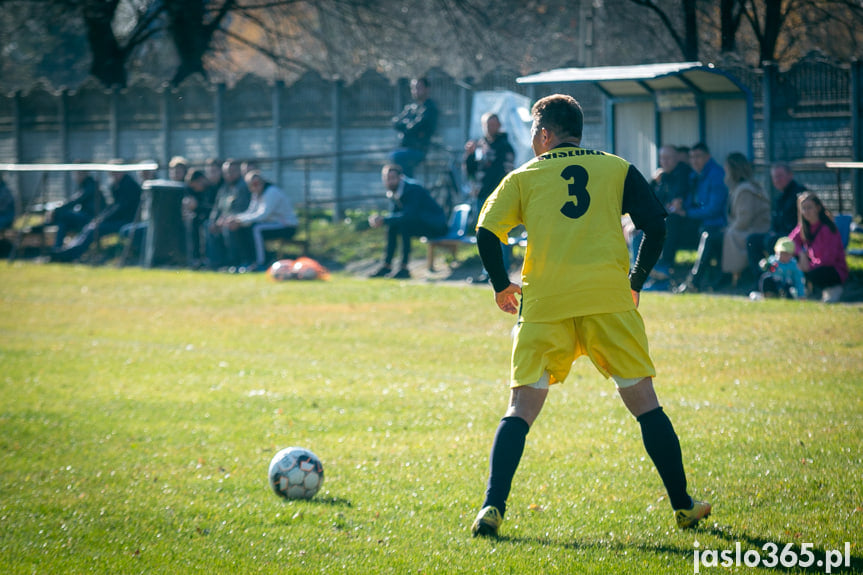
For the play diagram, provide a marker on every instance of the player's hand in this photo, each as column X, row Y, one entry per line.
column 636, row 297
column 506, row 300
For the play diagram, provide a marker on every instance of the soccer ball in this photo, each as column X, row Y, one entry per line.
column 296, row 473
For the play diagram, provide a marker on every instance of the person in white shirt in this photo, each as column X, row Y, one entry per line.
column 270, row 212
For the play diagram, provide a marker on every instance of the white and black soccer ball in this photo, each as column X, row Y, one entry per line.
column 296, row 473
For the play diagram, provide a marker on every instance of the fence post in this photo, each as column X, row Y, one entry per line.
column 465, row 105
column 857, row 131
column 277, row 131
column 219, row 119
column 114, row 122
column 338, row 209
column 769, row 82
column 63, row 112
column 166, row 125
column 17, row 147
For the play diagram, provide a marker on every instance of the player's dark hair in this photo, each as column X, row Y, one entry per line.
column 559, row 113
column 700, row 146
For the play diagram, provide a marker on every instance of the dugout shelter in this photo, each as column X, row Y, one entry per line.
column 650, row 105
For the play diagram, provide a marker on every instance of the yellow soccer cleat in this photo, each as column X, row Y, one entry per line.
column 687, row 518
column 487, row 522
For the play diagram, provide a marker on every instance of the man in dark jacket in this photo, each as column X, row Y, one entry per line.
column 487, row 161
column 79, row 211
column 415, row 125
column 413, row 213
column 126, row 195
column 490, row 158
column 783, row 216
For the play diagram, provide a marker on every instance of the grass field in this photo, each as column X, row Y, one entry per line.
column 140, row 410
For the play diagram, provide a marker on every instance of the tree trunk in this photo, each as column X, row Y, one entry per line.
column 690, row 19
column 108, row 63
column 729, row 24
column 773, row 21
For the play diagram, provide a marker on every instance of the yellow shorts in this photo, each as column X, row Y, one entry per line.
column 616, row 343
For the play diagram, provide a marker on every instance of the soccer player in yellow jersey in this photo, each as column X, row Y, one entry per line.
column 578, row 296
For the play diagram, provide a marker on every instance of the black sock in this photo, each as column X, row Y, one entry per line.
column 505, row 455
column 663, row 447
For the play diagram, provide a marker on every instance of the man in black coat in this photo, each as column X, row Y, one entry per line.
column 413, row 213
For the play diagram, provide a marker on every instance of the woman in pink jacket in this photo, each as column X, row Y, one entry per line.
column 819, row 247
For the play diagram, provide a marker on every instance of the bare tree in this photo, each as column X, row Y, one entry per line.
column 687, row 40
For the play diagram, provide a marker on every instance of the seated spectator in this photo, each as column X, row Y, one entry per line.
column 416, row 125
column 270, row 210
column 126, row 195
column 782, row 276
column 748, row 213
column 671, row 184
column 232, row 198
column 413, row 213
column 820, row 251
column 704, row 213
column 195, row 209
column 82, row 207
column 783, row 216
column 7, row 205
column 213, row 171
column 178, row 168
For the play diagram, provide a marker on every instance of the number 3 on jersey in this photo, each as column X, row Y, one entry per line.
column 578, row 189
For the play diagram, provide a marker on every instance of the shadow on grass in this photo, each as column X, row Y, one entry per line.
column 596, row 546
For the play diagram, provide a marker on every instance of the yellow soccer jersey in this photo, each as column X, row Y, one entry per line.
column 570, row 200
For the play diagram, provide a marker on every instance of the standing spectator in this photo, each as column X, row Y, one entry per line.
column 487, row 161
column 7, row 205
column 706, row 211
column 749, row 213
column 413, row 213
column 819, row 248
column 783, row 217
column 415, row 126
column 79, row 210
column 579, row 297
column 269, row 210
column 126, row 195
column 232, row 198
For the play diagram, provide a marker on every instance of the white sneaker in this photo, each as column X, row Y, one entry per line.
column 832, row 294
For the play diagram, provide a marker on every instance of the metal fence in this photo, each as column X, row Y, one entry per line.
column 325, row 140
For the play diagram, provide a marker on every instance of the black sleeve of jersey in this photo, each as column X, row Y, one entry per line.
column 648, row 252
column 491, row 254
column 639, row 201
column 648, row 214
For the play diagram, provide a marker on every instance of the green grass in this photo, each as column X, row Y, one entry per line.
column 140, row 410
